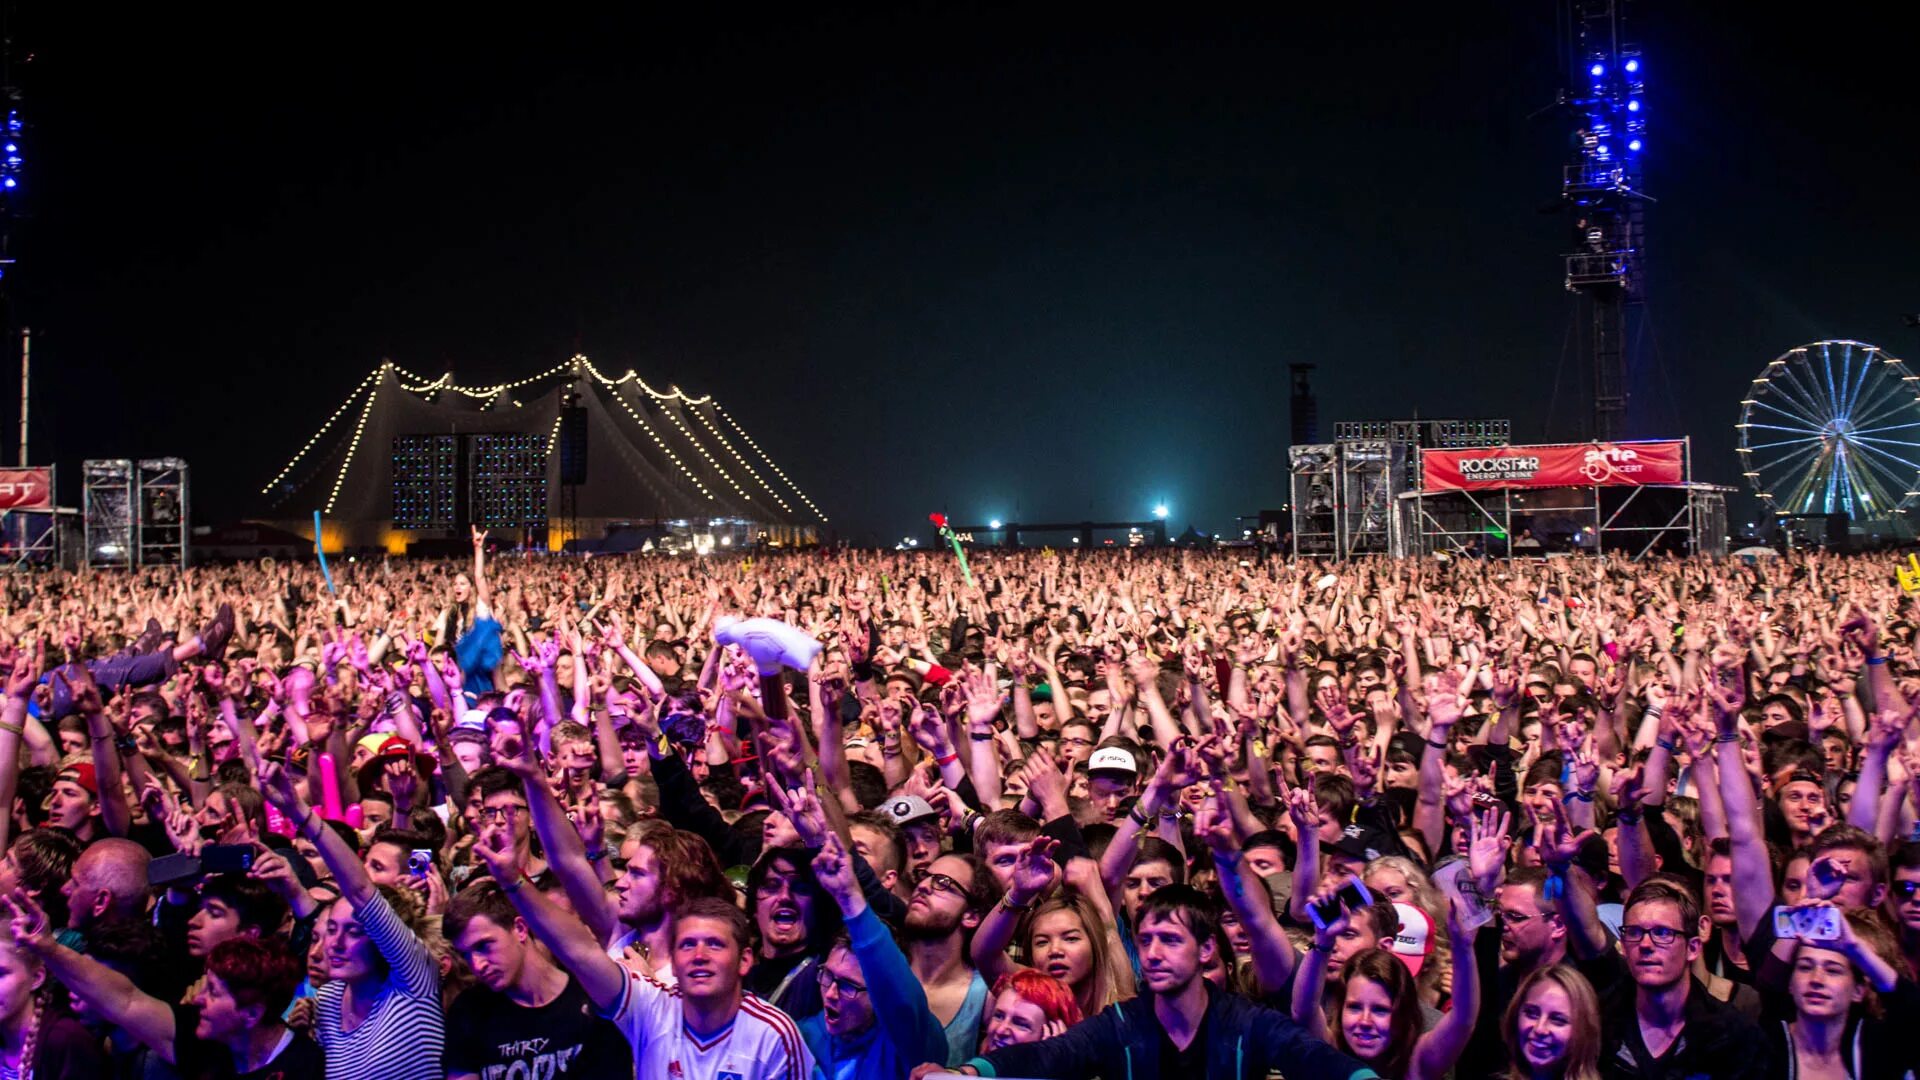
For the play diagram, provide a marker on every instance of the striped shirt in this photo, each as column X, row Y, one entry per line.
column 761, row 1043
column 403, row 1035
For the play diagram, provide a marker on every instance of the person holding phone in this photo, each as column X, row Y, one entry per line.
column 1848, row 1010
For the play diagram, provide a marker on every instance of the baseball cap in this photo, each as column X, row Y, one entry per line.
column 1414, row 943
column 82, row 774
column 1115, row 758
column 904, row 809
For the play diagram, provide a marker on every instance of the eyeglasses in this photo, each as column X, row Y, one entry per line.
column 1513, row 918
column 1076, row 742
column 502, row 813
column 1662, row 936
column 1907, row 890
column 845, row 988
column 941, row 883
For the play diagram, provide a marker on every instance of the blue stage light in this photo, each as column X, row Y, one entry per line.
column 1598, row 70
column 1633, row 66
column 1634, row 105
column 10, row 183
column 1600, row 150
column 1634, row 146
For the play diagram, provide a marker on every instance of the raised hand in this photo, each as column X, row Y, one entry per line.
column 802, row 808
column 28, row 924
column 1487, row 845
column 833, row 869
column 1035, row 872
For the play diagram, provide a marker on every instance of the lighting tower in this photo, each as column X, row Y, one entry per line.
column 1606, row 105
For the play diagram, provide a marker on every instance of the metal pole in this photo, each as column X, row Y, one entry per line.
column 26, row 379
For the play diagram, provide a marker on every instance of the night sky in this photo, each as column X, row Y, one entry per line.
column 1028, row 264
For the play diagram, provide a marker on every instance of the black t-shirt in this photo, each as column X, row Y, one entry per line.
column 488, row 1034
column 1191, row 1062
column 202, row 1059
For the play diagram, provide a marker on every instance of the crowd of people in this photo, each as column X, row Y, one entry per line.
column 839, row 814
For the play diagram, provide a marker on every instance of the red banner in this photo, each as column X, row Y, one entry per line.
column 26, row 489
column 1596, row 464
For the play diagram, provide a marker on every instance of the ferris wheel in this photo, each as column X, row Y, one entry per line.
column 1833, row 427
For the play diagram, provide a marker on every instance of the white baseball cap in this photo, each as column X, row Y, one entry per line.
column 1414, row 943
column 1117, row 758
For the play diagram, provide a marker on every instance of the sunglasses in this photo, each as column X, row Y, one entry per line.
column 1906, row 890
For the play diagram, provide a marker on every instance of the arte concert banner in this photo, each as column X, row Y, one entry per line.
column 26, row 489
column 1495, row 468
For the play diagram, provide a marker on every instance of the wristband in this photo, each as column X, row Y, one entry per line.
column 1629, row 818
column 1876, row 659
column 1437, row 745
column 596, row 855
column 1315, row 946
column 1140, row 819
column 13, row 729
column 1729, row 737
column 976, row 737
column 1669, row 747
column 1577, row 796
column 510, row 886
column 1006, row 901
column 951, row 757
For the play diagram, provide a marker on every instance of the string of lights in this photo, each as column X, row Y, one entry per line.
column 648, row 428
column 322, row 432
column 688, row 434
column 554, row 435
column 735, row 424
column 352, row 446
column 744, row 463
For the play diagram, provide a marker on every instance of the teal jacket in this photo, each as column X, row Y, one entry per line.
column 904, row 1033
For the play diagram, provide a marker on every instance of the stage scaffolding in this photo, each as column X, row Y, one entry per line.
column 1683, row 518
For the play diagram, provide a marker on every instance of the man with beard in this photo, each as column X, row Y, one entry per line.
column 873, row 1019
column 945, row 909
column 1182, row 1026
column 525, row 1016
column 665, row 868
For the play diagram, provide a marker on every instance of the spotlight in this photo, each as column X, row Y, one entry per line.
column 994, row 524
column 1634, row 105
column 1598, row 70
column 1160, row 511
column 1601, row 150
column 1633, row 66
column 1634, row 146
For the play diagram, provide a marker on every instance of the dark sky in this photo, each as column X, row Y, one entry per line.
column 1020, row 264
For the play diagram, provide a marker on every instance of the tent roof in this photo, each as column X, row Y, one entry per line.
column 651, row 455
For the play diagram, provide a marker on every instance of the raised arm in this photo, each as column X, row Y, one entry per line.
column 566, row 854
column 111, row 995
column 348, row 872
column 573, row 945
column 1034, row 876
column 1440, row 1048
column 1274, row 956
column 1753, row 893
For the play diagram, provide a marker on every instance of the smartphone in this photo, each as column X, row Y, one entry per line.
column 1807, row 923
column 1349, row 897
column 226, row 858
column 419, row 861
column 1483, row 801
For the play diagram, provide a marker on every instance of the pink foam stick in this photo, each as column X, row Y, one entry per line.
column 330, row 807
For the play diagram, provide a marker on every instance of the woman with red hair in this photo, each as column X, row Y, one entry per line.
column 1028, row 1006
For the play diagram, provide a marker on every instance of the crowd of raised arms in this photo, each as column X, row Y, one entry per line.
column 853, row 815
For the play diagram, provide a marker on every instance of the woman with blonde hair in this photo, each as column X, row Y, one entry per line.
column 1552, row 1029
column 1402, row 881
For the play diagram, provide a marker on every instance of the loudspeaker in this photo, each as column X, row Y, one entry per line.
column 573, row 444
